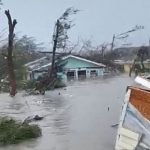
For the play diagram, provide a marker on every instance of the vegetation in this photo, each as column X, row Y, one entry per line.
column 12, row 131
column 25, row 50
column 26, row 84
column 60, row 37
column 138, row 64
column 8, row 55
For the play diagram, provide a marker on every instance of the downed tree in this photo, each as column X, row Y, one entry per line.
column 14, row 132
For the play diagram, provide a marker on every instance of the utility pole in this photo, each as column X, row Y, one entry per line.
column 124, row 35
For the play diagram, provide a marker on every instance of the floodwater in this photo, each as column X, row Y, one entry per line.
column 76, row 118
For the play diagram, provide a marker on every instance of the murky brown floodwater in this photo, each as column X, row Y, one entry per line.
column 77, row 119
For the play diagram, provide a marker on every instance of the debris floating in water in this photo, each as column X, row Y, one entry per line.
column 33, row 118
column 115, row 125
column 108, row 108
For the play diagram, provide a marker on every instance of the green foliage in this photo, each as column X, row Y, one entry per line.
column 62, row 26
column 12, row 131
column 21, row 85
column 2, row 67
column 4, row 85
column 28, row 44
column 26, row 84
column 21, row 73
column 25, row 50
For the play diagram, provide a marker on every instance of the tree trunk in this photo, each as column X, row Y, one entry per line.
column 56, row 34
column 11, row 74
column 132, row 67
column 142, row 64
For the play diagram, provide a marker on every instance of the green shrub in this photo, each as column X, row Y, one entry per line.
column 12, row 131
column 25, row 84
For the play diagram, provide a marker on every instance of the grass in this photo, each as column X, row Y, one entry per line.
column 13, row 132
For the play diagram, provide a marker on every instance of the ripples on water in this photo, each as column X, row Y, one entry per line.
column 75, row 119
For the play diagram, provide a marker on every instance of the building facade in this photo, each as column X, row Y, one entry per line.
column 74, row 68
column 79, row 68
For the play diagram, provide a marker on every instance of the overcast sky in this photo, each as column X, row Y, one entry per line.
column 98, row 20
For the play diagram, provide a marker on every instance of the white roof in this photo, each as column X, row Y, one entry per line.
column 49, row 64
column 83, row 59
column 35, row 61
column 33, row 64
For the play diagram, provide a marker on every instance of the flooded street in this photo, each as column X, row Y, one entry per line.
column 76, row 118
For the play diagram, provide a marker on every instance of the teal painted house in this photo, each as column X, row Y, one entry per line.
column 78, row 68
column 74, row 68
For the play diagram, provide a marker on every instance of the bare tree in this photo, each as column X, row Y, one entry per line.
column 11, row 74
column 103, row 48
column 71, row 47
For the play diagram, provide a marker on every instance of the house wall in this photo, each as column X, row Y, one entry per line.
column 127, row 68
column 76, row 65
column 99, row 72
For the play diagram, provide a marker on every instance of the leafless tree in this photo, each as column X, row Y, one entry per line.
column 11, row 74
